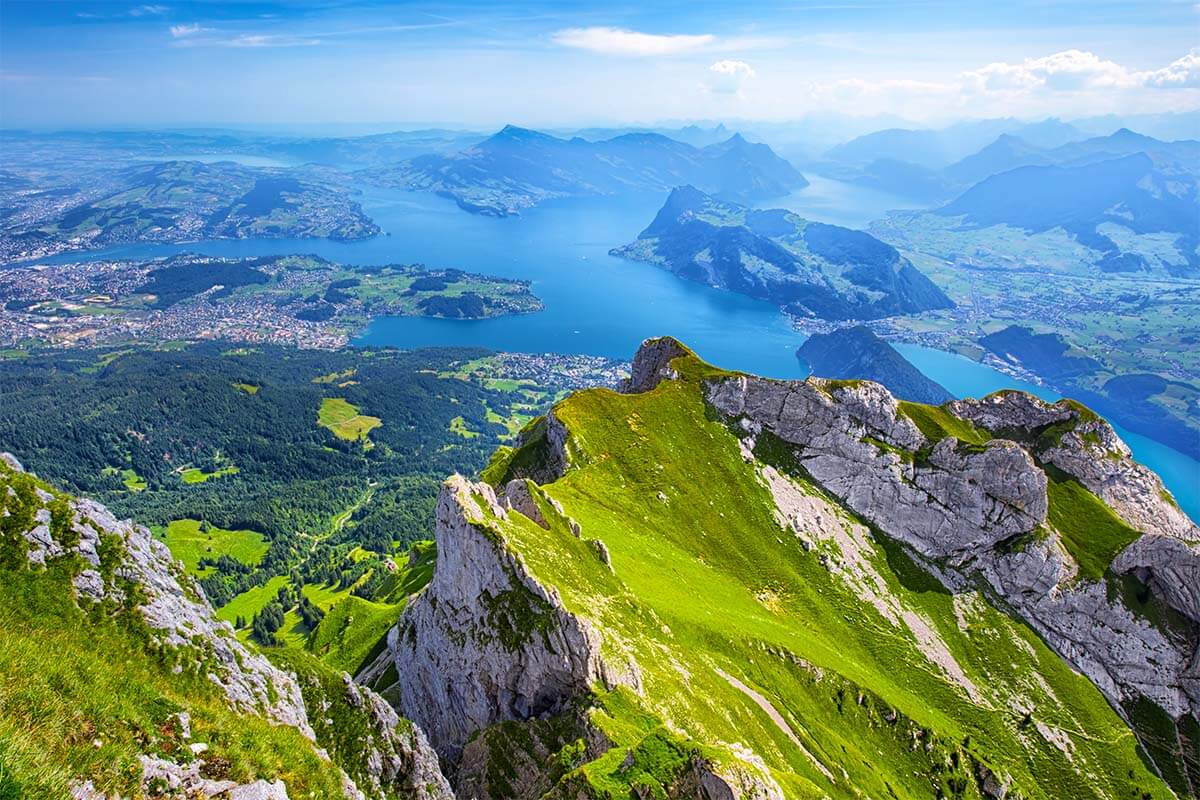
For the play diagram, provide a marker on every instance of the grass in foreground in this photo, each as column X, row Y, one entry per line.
column 75, row 715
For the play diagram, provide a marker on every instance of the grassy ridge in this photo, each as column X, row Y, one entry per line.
column 708, row 587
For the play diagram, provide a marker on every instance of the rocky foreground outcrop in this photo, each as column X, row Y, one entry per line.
column 124, row 566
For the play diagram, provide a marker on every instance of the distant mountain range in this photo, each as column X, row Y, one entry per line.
column 809, row 268
column 519, row 168
column 914, row 164
column 856, row 353
column 1139, row 192
column 935, row 149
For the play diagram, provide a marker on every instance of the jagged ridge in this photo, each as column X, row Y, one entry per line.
column 800, row 588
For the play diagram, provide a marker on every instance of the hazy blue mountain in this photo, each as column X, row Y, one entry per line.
column 1183, row 154
column 1132, row 191
column 696, row 135
column 809, row 268
column 938, row 148
column 904, row 178
column 518, row 168
column 857, row 353
column 928, row 165
column 1007, row 152
column 921, row 147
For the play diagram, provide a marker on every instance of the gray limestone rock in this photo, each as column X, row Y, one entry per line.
column 466, row 646
column 652, row 364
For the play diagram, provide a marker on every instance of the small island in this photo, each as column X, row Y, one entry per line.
column 303, row 301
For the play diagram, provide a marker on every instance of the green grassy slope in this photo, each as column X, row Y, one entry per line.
column 84, row 693
column 746, row 640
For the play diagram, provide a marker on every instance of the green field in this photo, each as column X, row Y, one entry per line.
column 251, row 601
column 344, row 421
column 197, row 475
column 189, row 544
column 133, row 481
column 248, row 388
column 458, row 425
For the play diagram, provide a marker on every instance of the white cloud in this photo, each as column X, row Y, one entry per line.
column 148, row 10
column 1182, row 73
column 621, row 42
column 1069, row 70
column 180, row 31
column 728, row 76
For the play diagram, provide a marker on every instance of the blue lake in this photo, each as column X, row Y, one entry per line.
column 601, row 305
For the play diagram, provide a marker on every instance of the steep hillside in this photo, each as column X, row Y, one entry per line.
column 120, row 681
column 809, row 268
column 857, row 353
column 720, row 586
column 518, row 168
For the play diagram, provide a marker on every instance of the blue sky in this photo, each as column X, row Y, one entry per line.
column 555, row 64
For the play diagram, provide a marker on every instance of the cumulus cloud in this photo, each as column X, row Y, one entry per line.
column 622, row 42
column 1078, row 71
column 1069, row 70
column 728, row 76
column 1182, row 73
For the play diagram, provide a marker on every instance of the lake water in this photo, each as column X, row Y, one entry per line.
column 840, row 203
column 601, row 305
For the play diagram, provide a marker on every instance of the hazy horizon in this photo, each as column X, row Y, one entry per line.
column 476, row 66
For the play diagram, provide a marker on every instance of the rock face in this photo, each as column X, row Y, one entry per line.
column 652, row 364
column 172, row 605
column 399, row 756
column 962, row 505
column 955, row 502
column 485, row 642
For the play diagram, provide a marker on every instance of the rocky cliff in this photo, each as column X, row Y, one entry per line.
column 131, row 589
column 726, row 586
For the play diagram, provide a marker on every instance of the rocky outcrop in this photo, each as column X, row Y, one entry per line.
column 1122, row 653
column 1073, row 439
column 399, row 757
column 652, row 364
column 949, row 504
column 123, row 565
column 166, row 779
column 123, row 558
column 485, row 641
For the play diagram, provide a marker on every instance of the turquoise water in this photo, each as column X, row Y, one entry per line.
column 601, row 305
